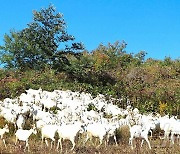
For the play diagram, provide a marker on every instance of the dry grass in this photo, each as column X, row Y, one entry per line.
column 37, row 148
column 158, row 147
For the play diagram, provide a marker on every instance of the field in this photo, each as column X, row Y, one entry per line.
column 158, row 147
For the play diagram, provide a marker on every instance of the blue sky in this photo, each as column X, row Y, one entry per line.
column 149, row 25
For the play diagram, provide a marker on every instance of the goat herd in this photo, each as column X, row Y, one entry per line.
column 68, row 113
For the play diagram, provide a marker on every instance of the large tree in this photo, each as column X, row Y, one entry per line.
column 45, row 42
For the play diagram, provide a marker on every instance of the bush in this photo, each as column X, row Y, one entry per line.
column 3, row 122
column 146, row 91
column 91, row 107
column 123, row 134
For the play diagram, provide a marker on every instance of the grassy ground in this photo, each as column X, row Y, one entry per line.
column 158, row 147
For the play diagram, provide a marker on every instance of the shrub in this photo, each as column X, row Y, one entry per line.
column 91, row 107
column 3, row 122
column 123, row 134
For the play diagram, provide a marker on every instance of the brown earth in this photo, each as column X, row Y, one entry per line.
column 158, row 147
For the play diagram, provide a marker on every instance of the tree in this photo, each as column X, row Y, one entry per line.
column 43, row 43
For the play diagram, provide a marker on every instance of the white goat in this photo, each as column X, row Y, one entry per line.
column 96, row 130
column 48, row 131
column 112, row 132
column 9, row 115
column 39, row 115
column 23, row 135
column 40, row 124
column 137, row 131
column 3, row 131
column 175, row 130
column 69, row 132
column 165, row 123
column 25, row 98
column 48, row 103
column 170, row 126
column 20, row 122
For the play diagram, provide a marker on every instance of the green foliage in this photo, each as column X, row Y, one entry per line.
column 145, row 85
column 36, row 46
column 107, row 116
column 91, row 107
column 43, row 55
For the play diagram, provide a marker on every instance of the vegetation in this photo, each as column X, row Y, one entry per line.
column 44, row 55
column 36, row 46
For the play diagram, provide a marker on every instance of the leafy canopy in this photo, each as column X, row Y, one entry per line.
column 38, row 45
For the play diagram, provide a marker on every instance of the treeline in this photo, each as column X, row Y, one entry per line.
column 32, row 58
